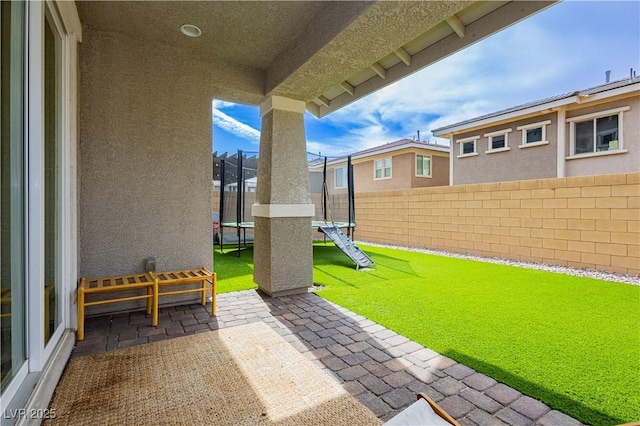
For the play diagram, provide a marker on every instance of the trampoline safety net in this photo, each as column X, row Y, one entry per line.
column 236, row 183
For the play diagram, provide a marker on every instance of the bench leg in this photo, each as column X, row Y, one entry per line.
column 80, row 332
column 203, row 298
column 154, row 318
column 149, row 299
column 214, row 295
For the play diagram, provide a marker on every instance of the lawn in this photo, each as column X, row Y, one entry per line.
column 572, row 342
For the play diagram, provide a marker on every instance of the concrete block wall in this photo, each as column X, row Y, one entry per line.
column 583, row 222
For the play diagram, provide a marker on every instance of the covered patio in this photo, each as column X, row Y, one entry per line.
column 381, row 368
column 112, row 114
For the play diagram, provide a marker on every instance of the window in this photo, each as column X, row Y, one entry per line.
column 341, row 177
column 423, row 165
column 468, row 146
column 597, row 134
column 498, row 141
column 382, row 168
column 534, row 134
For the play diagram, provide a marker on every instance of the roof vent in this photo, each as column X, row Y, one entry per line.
column 608, row 76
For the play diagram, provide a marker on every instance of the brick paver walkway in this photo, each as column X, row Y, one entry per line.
column 381, row 368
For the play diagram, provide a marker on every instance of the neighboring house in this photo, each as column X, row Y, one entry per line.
column 401, row 164
column 588, row 132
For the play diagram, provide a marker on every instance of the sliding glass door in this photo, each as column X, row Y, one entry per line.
column 52, row 175
column 12, row 188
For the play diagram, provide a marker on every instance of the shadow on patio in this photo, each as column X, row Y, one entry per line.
column 382, row 369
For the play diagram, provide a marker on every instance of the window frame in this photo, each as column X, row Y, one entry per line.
column 593, row 117
column 491, row 135
column 430, row 165
column 540, row 124
column 383, row 168
column 466, row 140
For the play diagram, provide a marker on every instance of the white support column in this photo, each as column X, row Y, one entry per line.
column 561, row 142
column 451, row 161
column 283, row 254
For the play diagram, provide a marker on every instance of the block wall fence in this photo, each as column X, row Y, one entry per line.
column 583, row 222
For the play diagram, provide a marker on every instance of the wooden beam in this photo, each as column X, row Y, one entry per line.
column 403, row 55
column 348, row 88
column 456, row 24
column 378, row 69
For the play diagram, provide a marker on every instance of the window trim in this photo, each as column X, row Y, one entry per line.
column 491, row 135
column 383, row 177
column 591, row 117
column 523, row 129
column 430, row 166
column 462, row 141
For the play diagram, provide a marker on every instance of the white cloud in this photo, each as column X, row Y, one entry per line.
column 218, row 104
column 235, row 127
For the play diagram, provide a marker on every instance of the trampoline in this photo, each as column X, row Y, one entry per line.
column 334, row 211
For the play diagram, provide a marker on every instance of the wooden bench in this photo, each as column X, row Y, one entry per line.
column 202, row 276
column 123, row 283
column 151, row 282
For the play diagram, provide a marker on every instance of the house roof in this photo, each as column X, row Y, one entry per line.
column 385, row 148
column 607, row 89
column 397, row 145
column 325, row 53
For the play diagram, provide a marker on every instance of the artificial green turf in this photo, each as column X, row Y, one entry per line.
column 572, row 342
column 233, row 273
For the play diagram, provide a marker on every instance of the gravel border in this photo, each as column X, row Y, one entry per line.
column 585, row 272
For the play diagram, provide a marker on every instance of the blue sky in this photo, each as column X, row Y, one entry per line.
column 564, row 48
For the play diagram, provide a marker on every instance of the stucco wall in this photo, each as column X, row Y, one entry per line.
column 144, row 157
column 403, row 172
column 584, row 222
column 620, row 163
column 439, row 173
column 516, row 164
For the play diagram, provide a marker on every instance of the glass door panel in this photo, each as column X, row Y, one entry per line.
column 52, row 175
column 12, row 195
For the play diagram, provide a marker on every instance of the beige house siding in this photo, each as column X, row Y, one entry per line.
column 403, row 171
column 516, row 164
column 619, row 163
column 539, row 162
column 584, row 222
column 144, row 157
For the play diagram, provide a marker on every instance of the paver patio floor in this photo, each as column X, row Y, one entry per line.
column 381, row 368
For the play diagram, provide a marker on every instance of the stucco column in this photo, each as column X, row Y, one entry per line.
column 282, row 253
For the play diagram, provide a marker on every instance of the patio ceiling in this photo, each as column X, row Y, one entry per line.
column 325, row 53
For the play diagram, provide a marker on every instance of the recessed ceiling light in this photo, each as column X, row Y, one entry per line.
column 190, row 30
